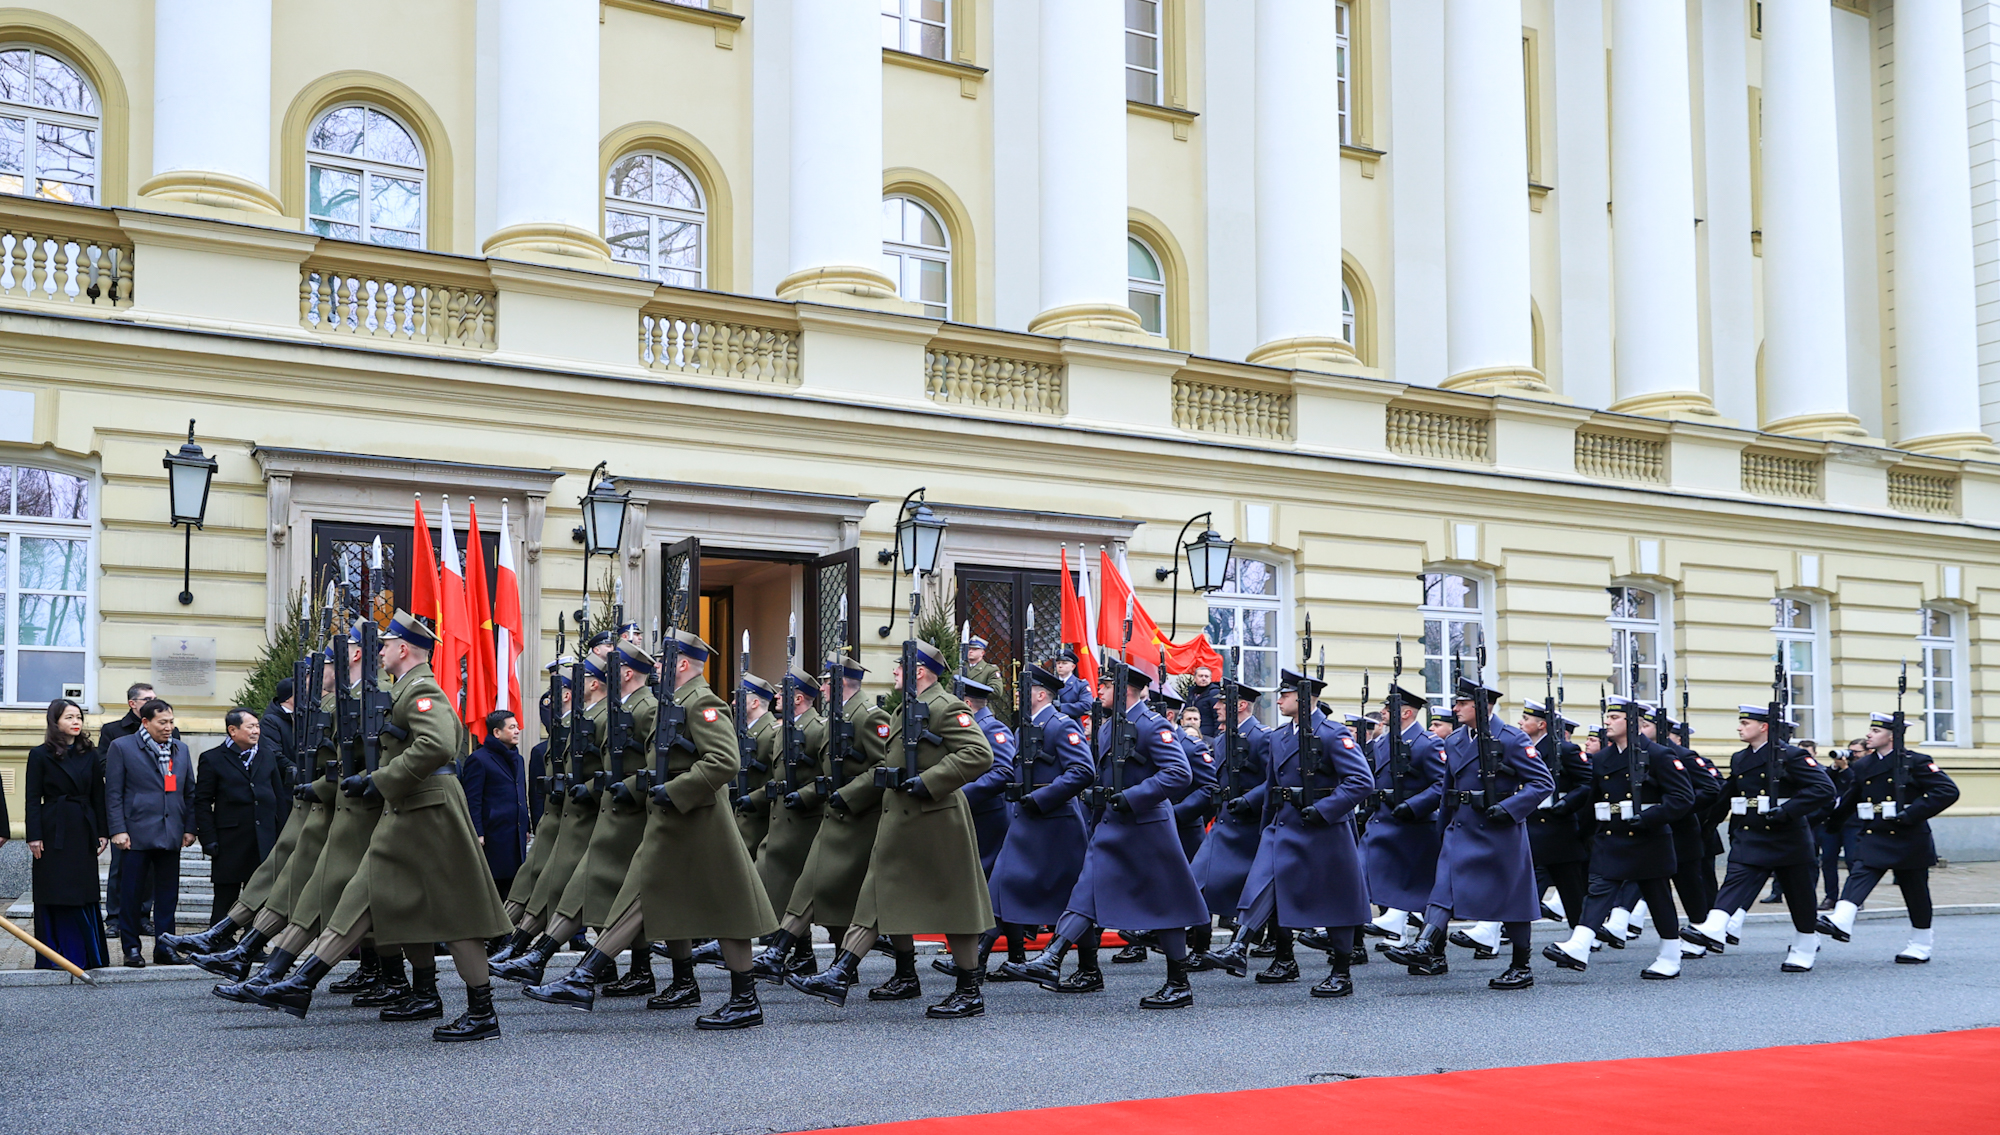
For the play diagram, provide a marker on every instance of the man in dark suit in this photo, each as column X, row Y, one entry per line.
column 496, row 795
column 241, row 799
column 146, row 790
column 136, row 695
column 276, row 731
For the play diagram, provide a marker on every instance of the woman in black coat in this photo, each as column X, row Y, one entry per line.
column 65, row 816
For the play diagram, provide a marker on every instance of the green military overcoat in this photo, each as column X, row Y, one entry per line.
column 578, row 823
column 924, row 875
column 425, row 878
column 347, row 836
column 838, row 861
column 692, row 876
column 790, row 840
column 540, row 847
column 304, row 836
column 588, row 897
column 756, row 823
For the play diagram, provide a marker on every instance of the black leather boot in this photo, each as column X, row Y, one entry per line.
column 1017, row 955
column 1284, row 967
column 1133, row 952
column 741, row 1011
column 638, row 980
column 1175, row 994
column 213, row 940
column 1088, row 978
column 362, row 979
column 528, row 968
column 274, row 969
column 1044, row 969
column 233, row 963
column 682, row 992
column 1425, row 956
column 1513, row 977
column 1233, row 959
column 962, row 1001
column 709, row 953
column 512, row 948
column 831, row 986
column 294, row 994
column 803, row 961
column 478, row 1022
column 578, row 988
column 1338, row 983
column 903, row 985
column 1480, row 951
column 391, row 985
column 422, row 1002
column 769, row 964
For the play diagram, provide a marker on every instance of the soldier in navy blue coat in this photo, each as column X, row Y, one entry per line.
column 1895, row 834
column 1308, row 869
column 1223, row 863
column 1774, row 790
column 1559, row 830
column 1634, row 841
column 1074, row 699
column 1048, row 836
column 1192, row 809
column 1485, row 869
column 1400, row 845
column 986, row 795
column 1135, row 875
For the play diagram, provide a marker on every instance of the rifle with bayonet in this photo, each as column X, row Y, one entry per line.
column 1027, row 732
column 1898, row 754
column 1307, row 739
column 1488, row 749
column 1635, row 741
column 555, row 779
column 746, row 745
column 617, row 718
column 1399, row 745
column 314, row 719
column 372, row 702
column 1235, row 748
column 1778, row 736
column 916, row 714
column 670, row 717
column 1682, row 730
column 839, row 730
column 1122, row 735
column 791, row 742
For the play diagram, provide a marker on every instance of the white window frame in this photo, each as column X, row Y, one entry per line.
column 1960, row 676
column 1660, row 626
column 1279, row 604
column 1348, row 317
column 906, row 19
column 369, row 169
column 1480, row 616
column 12, row 529
column 1136, row 285
column 655, row 213
column 903, row 253
column 1819, row 726
column 1158, row 38
column 34, row 115
column 1343, row 68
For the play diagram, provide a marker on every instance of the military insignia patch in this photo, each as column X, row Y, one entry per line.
column 1000, row 738
column 882, row 731
column 1677, row 765
column 1208, row 758
column 1076, row 740
column 1347, row 741
column 1167, row 735
column 423, row 705
column 708, row 715
column 1584, row 757
column 964, row 719
column 1934, row 766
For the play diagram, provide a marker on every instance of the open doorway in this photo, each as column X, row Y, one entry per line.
column 782, row 600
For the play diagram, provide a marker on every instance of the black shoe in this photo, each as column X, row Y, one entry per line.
column 275, row 968
column 1044, row 969
column 1827, row 903
column 962, row 1001
column 365, row 977
column 1263, row 950
column 511, row 947
column 1175, row 994
column 163, row 956
column 134, row 959
column 389, row 988
column 1549, row 913
column 529, row 967
column 682, row 993
column 709, row 953
column 1732, row 939
column 771, row 963
column 421, row 1002
column 903, row 985
column 478, row 1022
column 1082, row 981
column 1130, row 954
column 1336, row 985
column 1428, row 947
column 1314, row 940
column 1827, row 928
column 1480, row 951
column 1233, row 959
column 1359, row 957
column 1773, row 897
column 831, row 986
column 1562, row 959
column 1279, row 972
column 576, row 989
column 1691, row 933
column 805, row 963
column 638, row 980
column 1201, row 961
column 294, row 994
column 1373, row 931
column 1615, row 941
column 741, row 1011
column 234, row 963
column 1513, row 977
column 146, row 926
column 220, row 936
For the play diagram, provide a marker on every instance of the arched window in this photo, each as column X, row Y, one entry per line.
column 1454, row 629
column 50, row 125
column 654, row 217
column 365, row 178
column 1347, row 314
column 45, row 570
column 1637, row 632
column 1145, row 285
column 916, row 253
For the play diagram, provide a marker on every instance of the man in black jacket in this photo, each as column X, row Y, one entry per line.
column 136, row 695
column 242, row 797
column 276, row 730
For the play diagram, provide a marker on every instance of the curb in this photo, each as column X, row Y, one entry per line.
column 118, row 975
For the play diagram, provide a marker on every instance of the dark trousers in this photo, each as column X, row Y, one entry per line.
column 1914, row 882
column 1741, row 883
column 164, row 865
column 1834, row 843
column 1657, row 893
column 226, row 894
column 1571, row 881
column 114, row 891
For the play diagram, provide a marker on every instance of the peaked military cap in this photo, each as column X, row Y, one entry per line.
column 931, row 658
column 975, row 689
column 1251, row 694
column 1172, row 697
column 975, row 643
column 634, row 657
column 597, row 640
column 627, row 629
column 850, row 668
column 1399, row 696
column 692, row 646
column 1468, row 690
column 1754, row 713
column 807, row 684
column 591, row 669
column 1885, row 720
column 1291, row 680
column 758, row 686
column 1066, row 654
column 559, row 665
column 1139, row 673
column 1445, row 718
column 1045, row 678
column 411, row 629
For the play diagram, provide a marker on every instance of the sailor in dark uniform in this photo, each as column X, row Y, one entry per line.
column 1893, row 813
column 1559, row 831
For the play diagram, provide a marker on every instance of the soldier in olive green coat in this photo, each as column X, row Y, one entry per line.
column 692, row 877
column 978, row 669
column 792, row 800
column 555, row 726
column 422, row 880
column 760, row 724
column 924, row 874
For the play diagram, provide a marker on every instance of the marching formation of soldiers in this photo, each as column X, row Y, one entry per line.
column 698, row 827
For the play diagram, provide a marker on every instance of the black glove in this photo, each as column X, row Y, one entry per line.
column 357, row 785
column 915, row 787
column 837, row 804
column 793, row 801
column 1499, row 815
column 1030, row 805
column 661, row 800
column 1119, row 803
column 1776, row 821
column 580, row 792
column 1404, row 812
column 1314, row 818
column 743, row 804
column 1240, row 807
column 1651, row 820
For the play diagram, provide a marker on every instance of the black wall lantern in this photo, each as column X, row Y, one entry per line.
column 188, row 475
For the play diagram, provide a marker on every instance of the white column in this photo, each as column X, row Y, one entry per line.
column 1297, row 146
column 1725, row 230
column 1083, row 174
column 212, row 106
column 1652, row 197
column 1937, row 332
column 1583, row 225
column 1805, row 318
column 548, row 187
column 1489, row 329
column 836, row 158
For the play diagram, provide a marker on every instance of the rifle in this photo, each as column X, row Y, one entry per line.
column 839, row 730
column 1635, row 757
column 1549, row 699
column 964, row 660
column 1392, row 721
column 617, row 719
column 555, row 779
column 746, row 746
column 791, row 746
column 302, row 672
column 1027, row 734
column 1235, row 750
column 313, row 719
column 1898, row 724
column 371, row 701
column 1780, row 731
column 1302, row 705
column 1489, row 756
column 1122, row 733
column 670, row 717
column 582, row 742
column 1681, row 728
column 916, row 715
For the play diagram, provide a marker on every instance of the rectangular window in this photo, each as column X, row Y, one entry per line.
column 45, row 549
column 1243, row 617
column 1939, row 680
column 1343, row 74
column 1142, row 51
column 1798, row 626
column 1454, row 632
column 1639, row 637
column 918, row 27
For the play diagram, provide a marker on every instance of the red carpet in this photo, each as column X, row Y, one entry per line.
column 1947, row 1084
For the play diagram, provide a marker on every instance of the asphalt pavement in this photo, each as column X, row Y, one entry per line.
column 166, row 1055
